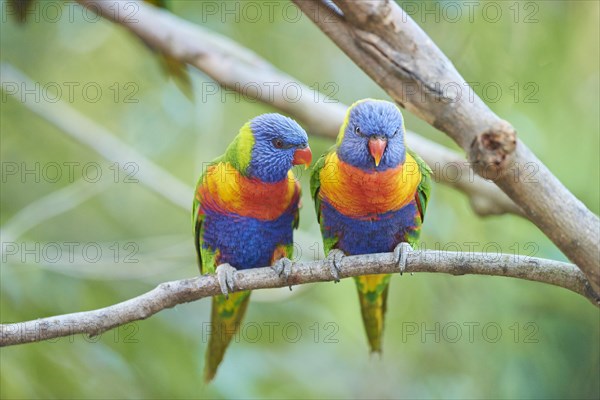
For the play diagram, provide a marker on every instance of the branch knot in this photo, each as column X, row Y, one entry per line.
column 493, row 150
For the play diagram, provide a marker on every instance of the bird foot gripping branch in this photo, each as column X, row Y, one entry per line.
column 226, row 277
column 334, row 259
column 283, row 268
column 401, row 253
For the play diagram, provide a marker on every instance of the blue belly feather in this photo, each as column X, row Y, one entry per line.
column 367, row 236
column 246, row 242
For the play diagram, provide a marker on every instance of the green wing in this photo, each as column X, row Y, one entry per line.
column 197, row 221
column 296, row 222
column 424, row 188
column 289, row 249
column 315, row 180
column 206, row 264
column 315, row 187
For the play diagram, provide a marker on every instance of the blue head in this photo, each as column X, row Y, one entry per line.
column 279, row 143
column 372, row 136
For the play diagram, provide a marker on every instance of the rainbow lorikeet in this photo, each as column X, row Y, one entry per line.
column 245, row 209
column 370, row 194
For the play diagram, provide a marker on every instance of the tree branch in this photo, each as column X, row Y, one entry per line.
column 99, row 139
column 222, row 60
column 49, row 206
column 169, row 294
column 235, row 67
column 397, row 54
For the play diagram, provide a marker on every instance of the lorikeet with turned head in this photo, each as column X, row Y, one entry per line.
column 244, row 212
column 370, row 195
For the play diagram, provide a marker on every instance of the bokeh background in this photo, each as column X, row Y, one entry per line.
column 446, row 337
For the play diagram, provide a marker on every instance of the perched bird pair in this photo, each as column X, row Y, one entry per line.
column 370, row 195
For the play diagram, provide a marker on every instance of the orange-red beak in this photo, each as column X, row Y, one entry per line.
column 377, row 147
column 303, row 156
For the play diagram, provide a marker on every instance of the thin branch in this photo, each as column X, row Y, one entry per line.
column 47, row 207
column 167, row 254
column 451, row 169
column 396, row 53
column 185, row 41
column 169, row 294
column 100, row 140
column 237, row 68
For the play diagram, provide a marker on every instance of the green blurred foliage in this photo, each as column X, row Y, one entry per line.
column 446, row 337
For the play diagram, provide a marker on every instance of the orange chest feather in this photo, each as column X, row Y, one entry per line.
column 224, row 189
column 358, row 193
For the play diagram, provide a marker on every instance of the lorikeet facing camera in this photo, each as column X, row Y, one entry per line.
column 370, row 194
column 245, row 209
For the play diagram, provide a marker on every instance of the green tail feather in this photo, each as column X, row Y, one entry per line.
column 372, row 295
column 226, row 317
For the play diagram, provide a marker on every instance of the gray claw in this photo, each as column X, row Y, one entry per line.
column 283, row 268
column 226, row 278
column 335, row 258
column 401, row 253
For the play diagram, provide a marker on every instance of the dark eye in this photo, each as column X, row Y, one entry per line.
column 278, row 143
column 395, row 133
column 357, row 130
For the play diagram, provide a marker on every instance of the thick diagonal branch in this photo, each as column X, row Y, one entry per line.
column 397, row 54
column 169, row 294
column 237, row 68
